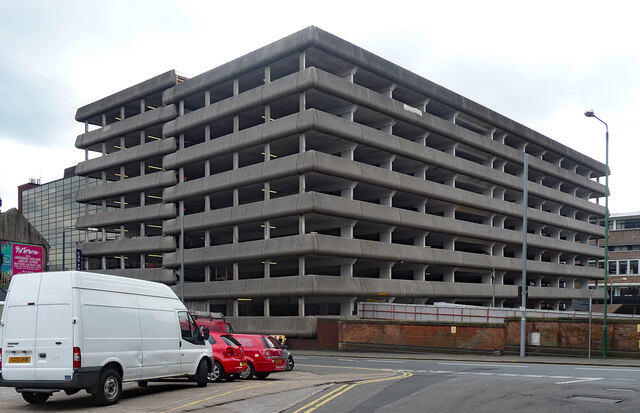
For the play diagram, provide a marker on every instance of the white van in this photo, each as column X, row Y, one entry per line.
column 77, row 330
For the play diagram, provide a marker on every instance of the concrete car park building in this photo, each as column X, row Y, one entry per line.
column 311, row 174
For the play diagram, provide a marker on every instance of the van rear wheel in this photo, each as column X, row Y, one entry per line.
column 35, row 398
column 109, row 388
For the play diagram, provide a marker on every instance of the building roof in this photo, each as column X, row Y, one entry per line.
column 15, row 227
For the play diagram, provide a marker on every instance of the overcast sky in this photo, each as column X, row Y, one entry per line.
column 540, row 63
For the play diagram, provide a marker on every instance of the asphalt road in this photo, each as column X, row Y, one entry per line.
column 341, row 383
column 466, row 386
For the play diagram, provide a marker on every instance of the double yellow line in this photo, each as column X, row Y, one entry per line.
column 321, row 401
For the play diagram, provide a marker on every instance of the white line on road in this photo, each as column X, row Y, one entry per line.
column 580, row 379
column 302, row 358
column 486, row 365
column 604, row 369
column 384, row 361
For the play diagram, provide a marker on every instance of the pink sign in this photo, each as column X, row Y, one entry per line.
column 27, row 259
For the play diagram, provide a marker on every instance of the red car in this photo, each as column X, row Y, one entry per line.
column 228, row 357
column 263, row 354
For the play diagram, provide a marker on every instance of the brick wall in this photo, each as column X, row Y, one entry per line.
column 420, row 336
column 622, row 335
column 557, row 336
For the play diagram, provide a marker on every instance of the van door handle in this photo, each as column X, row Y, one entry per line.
column 42, row 355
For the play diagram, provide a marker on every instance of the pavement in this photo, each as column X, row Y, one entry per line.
column 493, row 358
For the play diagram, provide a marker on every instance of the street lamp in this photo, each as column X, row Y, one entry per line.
column 64, row 251
column 591, row 114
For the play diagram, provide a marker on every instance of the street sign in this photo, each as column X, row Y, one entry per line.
column 78, row 259
column 580, row 304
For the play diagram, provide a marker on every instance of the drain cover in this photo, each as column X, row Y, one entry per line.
column 595, row 399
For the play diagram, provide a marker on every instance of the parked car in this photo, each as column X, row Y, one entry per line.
column 263, row 353
column 78, row 330
column 228, row 357
column 288, row 357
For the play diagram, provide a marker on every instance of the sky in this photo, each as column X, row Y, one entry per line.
column 540, row 63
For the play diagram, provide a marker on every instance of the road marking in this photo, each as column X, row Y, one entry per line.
column 605, row 369
column 528, row 376
column 321, row 398
column 486, row 365
column 302, row 358
column 217, row 395
column 579, row 380
column 385, row 361
column 342, row 367
column 321, row 401
column 347, row 360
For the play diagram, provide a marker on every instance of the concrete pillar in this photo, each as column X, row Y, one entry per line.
column 346, row 307
column 450, row 244
column 449, row 276
column 267, row 307
column 301, row 307
column 450, row 212
column 419, row 272
column 385, row 271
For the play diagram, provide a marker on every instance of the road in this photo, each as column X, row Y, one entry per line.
column 442, row 386
column 349, row 384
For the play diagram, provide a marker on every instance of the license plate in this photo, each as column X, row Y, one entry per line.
column 279, row 361
column 19, row 359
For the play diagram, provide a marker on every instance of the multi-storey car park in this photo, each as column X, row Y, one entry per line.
column 311, row 174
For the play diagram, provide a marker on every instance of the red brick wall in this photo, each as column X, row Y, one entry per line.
column 326, row 337
column 470, row 337
column 563, row 333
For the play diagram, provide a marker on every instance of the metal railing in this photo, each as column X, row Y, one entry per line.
column 456, row 313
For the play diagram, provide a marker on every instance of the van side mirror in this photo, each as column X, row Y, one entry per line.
column 205, row 333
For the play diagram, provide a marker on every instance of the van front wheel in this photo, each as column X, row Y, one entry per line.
column 35, row 398
column 109, row 388
column 202, row 373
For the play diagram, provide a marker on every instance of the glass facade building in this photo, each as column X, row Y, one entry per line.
column 52, row 210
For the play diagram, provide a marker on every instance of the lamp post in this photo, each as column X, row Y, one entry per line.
column 64, row 239
column 591, row 114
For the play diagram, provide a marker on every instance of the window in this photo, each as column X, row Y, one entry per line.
column 633, row 266
column 622, row 267
column 629, row 223
column 188, row 328
column 613, row 267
